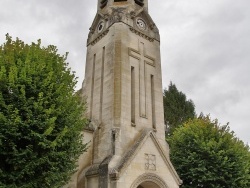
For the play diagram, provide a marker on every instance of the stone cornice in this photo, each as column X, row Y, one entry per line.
column 141, row 34
column 99, row 37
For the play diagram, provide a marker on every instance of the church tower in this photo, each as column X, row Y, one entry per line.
column 123, row 90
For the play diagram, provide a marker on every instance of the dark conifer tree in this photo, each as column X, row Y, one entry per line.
column 177, row 109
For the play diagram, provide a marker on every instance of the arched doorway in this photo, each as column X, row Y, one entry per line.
column 148, row 184
column 149, row 180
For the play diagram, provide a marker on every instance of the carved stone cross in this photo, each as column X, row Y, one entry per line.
column 144, row 60
column 150, row 162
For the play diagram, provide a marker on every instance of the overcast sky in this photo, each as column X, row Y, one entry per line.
column 205, row 46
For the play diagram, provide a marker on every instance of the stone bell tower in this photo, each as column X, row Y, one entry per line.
column 123, row 90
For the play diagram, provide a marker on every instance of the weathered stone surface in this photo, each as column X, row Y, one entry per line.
column 123, row 89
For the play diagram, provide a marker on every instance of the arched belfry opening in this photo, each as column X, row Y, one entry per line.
column 103, row 3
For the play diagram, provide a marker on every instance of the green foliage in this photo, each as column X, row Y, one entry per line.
column 206, row 154
column 40, row 117
column 177, row 109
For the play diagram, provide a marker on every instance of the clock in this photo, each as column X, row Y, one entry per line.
column 100, row 26
column 141, row 23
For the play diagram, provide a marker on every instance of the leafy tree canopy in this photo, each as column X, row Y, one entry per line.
column 177, row 109
column 40, row 117
column 206, row 154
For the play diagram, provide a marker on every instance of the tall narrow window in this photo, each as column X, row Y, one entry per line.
column 153, row 101
column 113, row 141
column 92, row 86
column 133, row 96
column 139, row 2
column 102, row 77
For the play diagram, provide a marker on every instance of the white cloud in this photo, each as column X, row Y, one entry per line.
column 205, row 46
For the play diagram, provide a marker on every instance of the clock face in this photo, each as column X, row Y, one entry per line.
column 141, row 24
column 100, row 27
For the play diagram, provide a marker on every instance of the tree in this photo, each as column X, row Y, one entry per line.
column 177, row 109
column 40, row 117
column 206, row 154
